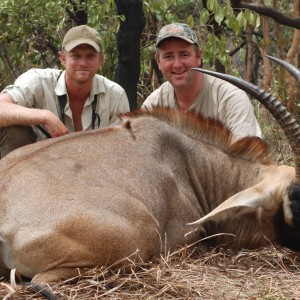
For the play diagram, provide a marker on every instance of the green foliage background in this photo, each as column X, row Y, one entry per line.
column 31, row 32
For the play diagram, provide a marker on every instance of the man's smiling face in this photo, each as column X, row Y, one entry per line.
column 81, row 63
column 175, row 59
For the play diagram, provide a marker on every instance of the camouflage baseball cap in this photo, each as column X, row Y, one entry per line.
column 177, row 30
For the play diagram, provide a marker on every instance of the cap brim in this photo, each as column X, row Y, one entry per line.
column 73, row 44
column 177, row 37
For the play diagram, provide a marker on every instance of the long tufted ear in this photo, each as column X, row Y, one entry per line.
column 247, row 201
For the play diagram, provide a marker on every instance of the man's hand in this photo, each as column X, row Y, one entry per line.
column 53, row 124
column 12, row 114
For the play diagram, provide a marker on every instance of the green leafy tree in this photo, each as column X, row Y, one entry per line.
column 31, row 33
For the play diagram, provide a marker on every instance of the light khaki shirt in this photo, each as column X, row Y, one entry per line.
column 40, row 88
column 217, row 99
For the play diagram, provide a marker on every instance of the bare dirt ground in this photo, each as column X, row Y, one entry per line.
column 267, row 274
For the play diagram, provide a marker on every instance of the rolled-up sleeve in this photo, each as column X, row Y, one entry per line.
column 26, row 90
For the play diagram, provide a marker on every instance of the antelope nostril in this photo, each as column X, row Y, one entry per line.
column 295, row 206
column 294, row 192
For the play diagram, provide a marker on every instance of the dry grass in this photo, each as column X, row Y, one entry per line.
column 269, row 273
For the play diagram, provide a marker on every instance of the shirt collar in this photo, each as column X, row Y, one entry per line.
column 97, row 87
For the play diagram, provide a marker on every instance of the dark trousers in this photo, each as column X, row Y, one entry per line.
column 14, row 137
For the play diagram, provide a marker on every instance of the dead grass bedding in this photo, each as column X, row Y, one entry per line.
column 269, row 273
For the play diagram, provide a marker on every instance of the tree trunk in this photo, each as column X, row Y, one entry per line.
column 291, row 58
column 250, row 51
column 128, row 44
column 279, row 38
column 80, row 16
column 264, row 49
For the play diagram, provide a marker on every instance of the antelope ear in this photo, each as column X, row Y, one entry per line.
column 246, row 201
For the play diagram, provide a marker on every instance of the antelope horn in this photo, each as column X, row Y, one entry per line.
column 290, row 68
column 275, row 107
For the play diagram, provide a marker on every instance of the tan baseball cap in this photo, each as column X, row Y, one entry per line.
column 82, row 34
column 177, row 30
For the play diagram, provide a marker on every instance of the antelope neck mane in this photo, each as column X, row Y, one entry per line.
column 209, row 131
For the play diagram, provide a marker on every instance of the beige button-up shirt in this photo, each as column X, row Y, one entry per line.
column 40, row 88
column 217, row 99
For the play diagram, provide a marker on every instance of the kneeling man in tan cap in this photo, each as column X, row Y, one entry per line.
column 57, row 101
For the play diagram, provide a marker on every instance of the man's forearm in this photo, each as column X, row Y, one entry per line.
column 13, row 114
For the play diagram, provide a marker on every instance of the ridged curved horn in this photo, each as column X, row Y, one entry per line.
column 275, row 107
column 290, row 68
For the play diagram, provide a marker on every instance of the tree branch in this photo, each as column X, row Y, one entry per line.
column 268, row 12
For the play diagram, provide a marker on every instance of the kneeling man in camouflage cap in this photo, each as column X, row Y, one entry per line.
column 177, row 51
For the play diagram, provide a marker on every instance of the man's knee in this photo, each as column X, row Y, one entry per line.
column 14, row 137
